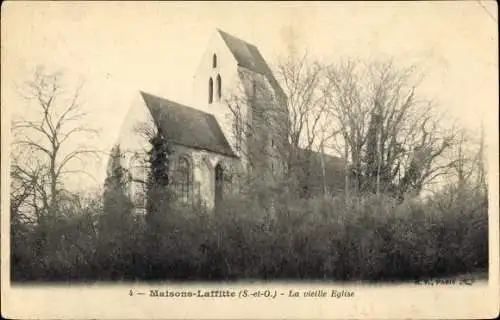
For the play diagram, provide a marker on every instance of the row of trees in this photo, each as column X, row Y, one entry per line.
column 373, row 115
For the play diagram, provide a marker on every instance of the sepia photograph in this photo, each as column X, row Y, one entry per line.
column 185, row 150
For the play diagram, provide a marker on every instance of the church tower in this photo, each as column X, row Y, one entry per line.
column 234, row 83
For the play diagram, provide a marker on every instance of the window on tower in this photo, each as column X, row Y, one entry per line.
column 210, row 90
column 219, row 87
column 214, row 61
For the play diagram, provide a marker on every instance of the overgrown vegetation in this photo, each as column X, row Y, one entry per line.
column 370, row 238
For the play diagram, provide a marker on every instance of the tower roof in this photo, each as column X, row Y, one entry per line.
column 248, row 56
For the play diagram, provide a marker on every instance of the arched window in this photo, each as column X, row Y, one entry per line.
column 214, row 61
column 219, row 173
column 219, row 87
column 185, row 179
column 210, row 90
column 219, row 180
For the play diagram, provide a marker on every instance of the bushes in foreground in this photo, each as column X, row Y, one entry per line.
column 365, row 238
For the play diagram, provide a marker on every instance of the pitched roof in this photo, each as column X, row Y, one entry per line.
column 317, row 155
column 188, row 126
column 333, row 171
column 248, row 56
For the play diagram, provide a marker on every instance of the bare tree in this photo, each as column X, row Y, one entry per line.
column 24, row 190
column 310, row 131
column 468, row 171
column 304, row 85
column 47, row 131
column 390, row 137
column 347, row 108
column 463, row 166
column 480, row 162
column 479, row 178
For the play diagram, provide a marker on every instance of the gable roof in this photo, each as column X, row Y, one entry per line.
column 187, row 126
column 333, row 175
column 317, row 156
column 248, row 56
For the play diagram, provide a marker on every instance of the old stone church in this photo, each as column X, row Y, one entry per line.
column 236, row 124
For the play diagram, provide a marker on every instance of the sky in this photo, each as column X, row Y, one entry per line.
column 119, row 48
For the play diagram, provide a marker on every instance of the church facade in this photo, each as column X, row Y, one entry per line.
column 236, row 125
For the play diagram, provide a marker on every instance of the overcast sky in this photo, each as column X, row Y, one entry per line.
column 121, row 48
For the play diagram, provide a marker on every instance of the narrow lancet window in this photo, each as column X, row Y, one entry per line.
column 210, row 90
column 185, row 184
column 219, row 87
